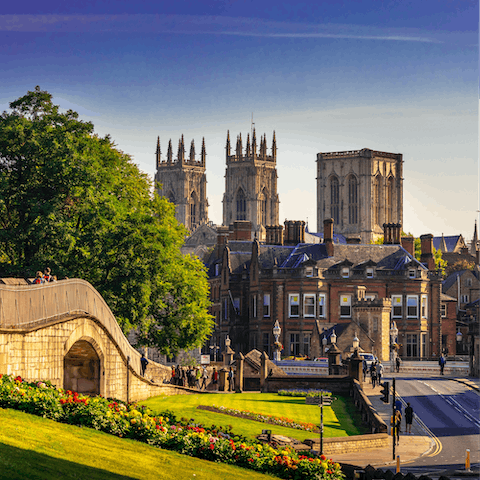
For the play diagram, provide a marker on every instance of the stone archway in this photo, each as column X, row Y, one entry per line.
column 81, row 369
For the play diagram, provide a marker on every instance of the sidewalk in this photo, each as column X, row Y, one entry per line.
column 411, row 446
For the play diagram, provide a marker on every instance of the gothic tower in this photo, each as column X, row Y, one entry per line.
column 184, row 182
column 251, row 184
column 361, row 190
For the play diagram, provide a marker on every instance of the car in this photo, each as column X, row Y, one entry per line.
column 368, row 357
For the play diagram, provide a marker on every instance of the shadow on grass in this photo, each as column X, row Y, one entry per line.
column 18, row 463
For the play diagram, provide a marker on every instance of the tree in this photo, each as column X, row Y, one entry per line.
column 70, row 200
column 460, row 265
column 440, row 263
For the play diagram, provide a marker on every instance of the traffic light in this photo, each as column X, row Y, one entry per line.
column 385, row 392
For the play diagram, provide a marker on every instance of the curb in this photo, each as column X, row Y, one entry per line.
column 467, row 382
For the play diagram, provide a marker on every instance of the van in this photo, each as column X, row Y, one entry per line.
column 368, row 357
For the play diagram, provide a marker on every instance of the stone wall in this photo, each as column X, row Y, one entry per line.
column 357, row 443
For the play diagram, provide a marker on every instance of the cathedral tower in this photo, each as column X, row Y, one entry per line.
column 251, row 184
column 361, row 190
column 183, row 181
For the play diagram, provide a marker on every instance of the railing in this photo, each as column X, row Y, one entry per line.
column 27, row 306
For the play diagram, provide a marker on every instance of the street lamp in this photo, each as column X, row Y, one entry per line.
column 276, row 333
column 333, row 338
column 324, row 344
column 228, row 342
column 459, row 336
column 356, row 342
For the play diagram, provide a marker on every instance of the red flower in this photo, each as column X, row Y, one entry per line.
column 212, row 446
column 323, row 457
column 157, row 427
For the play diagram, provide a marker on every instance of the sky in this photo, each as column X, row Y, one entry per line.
column 395, row 76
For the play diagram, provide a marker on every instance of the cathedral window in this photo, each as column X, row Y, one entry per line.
column 263, row 208
column 376, row 200
column 389, row 200
column 335, row 200
column 352, row 200
column 193, row 210
column 241, row 206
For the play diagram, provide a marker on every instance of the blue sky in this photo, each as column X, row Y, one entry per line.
column 397, row 76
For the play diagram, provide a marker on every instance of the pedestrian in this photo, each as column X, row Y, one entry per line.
column 38, row 278
column 373, row 374
column 379, row 372
column 442, row 362
column 143, row 363
column 215, row 378
column 198, row 376
column 172, row 379
column 398, row 425
column 204, row 377
column 364, row 368
column 397, row 363
column 408, row 418
column 230, row 380
column 46, row 275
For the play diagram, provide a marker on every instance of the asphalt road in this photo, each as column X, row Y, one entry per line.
column 451, row 413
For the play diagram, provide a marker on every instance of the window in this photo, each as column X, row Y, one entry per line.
column 306, row 345
column 295, row 344
column 309, row 305
column 375, row 324
column 345, row 305
column 254, row 306
column 352, row 200
column 293, row 304
column 376, row 200
column 412, row 306
column 335, row 200
column 464, row 298
column 225, row 309
column 396, row 306
column 345, row 273
column 443, row 310
column 321, row 305
column 389, row 199
column 217, row 270
column 309, row 271
column 241, row 206
column 412, row 273
column 266, row 305
column 372, row 296
column 236, row 305
column 424, row 306
column 193, row 210
column 266, row 342
column 263, row 207
column 424, row 345
column 468, row 282
column 369, row 272
column 412, row 347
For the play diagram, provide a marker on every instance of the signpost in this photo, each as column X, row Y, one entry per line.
column 327, row 401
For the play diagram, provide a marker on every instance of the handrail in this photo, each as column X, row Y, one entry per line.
column 26, row 305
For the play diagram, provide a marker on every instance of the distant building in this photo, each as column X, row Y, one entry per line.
column 183, row 181
column 361, row 190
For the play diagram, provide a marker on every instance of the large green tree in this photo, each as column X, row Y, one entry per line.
column 70, row 200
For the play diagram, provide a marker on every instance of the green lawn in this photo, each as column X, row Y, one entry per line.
column 339, row 419
column 36, row 448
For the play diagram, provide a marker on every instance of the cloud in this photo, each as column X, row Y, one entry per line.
column 198, row 24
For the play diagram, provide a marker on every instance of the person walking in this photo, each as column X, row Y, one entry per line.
column 198, row 376
column 379, row 373
column 442, row 362
column 230, row 380
column 215, row 379
column 204, row 378
column 172, row 379
column 373, row 374
column 143, row 363
column 364, row 368
column 408, row 418
column 398, row 425
column 397, row 363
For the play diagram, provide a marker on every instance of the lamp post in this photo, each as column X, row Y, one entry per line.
column 276, row 333
column 393, row 341
column 228, row 342
column 214, row 349
column 333, row 338
column 356, row 342
column 324, row 344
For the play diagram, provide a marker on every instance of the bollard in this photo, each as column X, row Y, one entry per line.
column 467, row 460
column 398, row 464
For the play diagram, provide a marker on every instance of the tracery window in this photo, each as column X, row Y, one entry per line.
column 335, row 199
column 376, row 200
column 241, row 205
column 352, row 200
column 389, row 200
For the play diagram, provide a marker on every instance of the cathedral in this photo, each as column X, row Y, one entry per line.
column 361, row 190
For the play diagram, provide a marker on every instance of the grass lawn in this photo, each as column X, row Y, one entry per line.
column 339, row 419
column 36, row 448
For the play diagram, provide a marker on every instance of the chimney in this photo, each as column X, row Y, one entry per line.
column 328, row 235
column 242, row 230
column 294, row 232
column 387, row 234
column 408, row 243
column 274, row 235
column 427, row 251
column 222, row 238
column 397, row 233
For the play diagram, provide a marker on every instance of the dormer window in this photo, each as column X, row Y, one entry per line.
column 412, row 273
column 369, row 272
column 345, row 272
column 309, row 271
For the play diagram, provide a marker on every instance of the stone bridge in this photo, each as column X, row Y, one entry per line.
column 65, row 332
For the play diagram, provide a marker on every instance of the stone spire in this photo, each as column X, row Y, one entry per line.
column 169, row 152
column 248, row 151
column 239, row 147
column 274, row 146
column 443, row 245
column 228, row 143
column 192, row 151
column 158, row 152
column 181, row 150
column 474, row 244
column 254, row 145
column 203, row 154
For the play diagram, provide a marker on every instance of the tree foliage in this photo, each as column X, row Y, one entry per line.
column 72, row 201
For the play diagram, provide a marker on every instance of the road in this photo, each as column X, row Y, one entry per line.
column 451, row 413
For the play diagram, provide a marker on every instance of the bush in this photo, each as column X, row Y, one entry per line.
column 304, row 393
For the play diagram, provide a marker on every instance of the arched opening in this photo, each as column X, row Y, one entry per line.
column 193, row 210
column 335, row 200
column 376, row 200
column 352, row 200
column 241, row 205
column 263, row 197
column 389, row 199
column 81, row 369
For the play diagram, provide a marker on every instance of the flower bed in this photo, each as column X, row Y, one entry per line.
column 262, row 417
column 161, row 430
column 304, row 393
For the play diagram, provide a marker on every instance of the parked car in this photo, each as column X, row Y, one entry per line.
column 368, row 357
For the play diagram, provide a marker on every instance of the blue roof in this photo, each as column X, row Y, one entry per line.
column 450, row 241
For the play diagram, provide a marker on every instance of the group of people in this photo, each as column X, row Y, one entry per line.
column 396, row 420
column 375, row 370
column 44, row 277
column 194, row 377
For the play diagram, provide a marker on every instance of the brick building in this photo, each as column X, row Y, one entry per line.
column 311, row 287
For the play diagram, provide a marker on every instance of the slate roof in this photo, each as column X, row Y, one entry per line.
column 337, row 238
column 450, row 241
column 451, row 279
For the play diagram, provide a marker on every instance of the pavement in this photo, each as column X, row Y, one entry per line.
column 411, row 447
